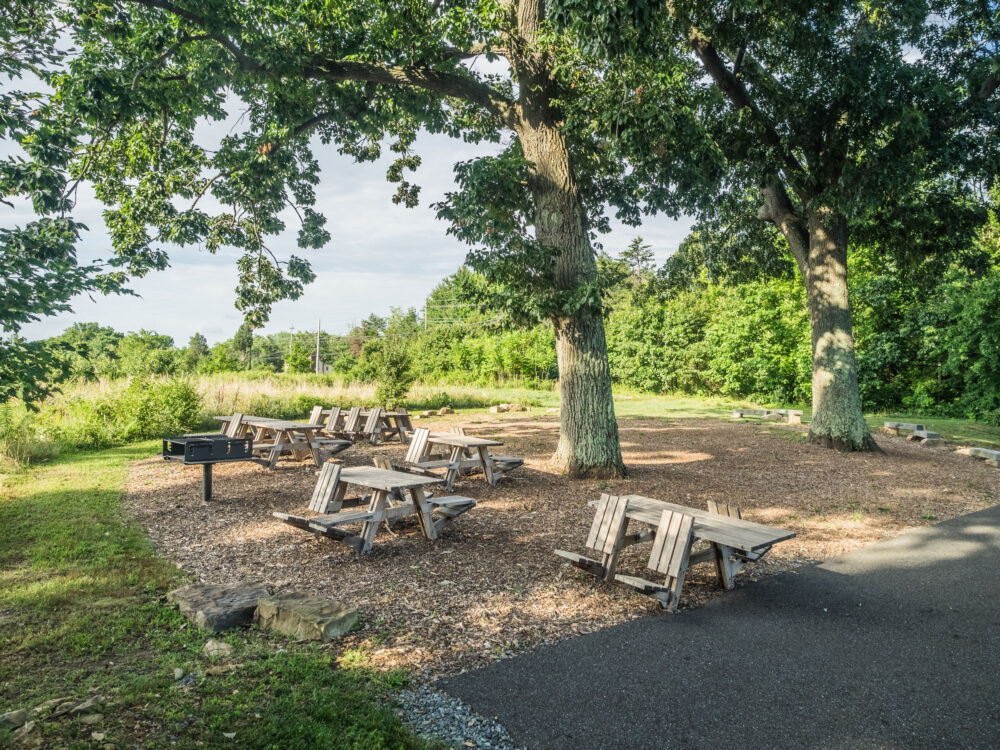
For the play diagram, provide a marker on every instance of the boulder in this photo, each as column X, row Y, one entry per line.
column 428, row 413
column 305, row 618
column 214, row 608
column 445, row 410
column 553, row 410
column 214, row 648
column 516, row 407
column 499, row 409
column 13, row 719
column 88, row 705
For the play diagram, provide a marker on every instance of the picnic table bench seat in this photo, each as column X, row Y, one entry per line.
column 669, row 557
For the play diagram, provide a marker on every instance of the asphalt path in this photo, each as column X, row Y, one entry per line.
column 896, row 645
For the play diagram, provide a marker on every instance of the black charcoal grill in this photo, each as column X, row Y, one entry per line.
column 206, row 451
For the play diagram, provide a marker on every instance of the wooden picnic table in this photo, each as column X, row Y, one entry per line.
column 460, row 445
column 285, row 436
column 735, row 533
column 732, row 541
column 383, row 482
column 394, row 423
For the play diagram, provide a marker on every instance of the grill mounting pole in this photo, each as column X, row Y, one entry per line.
column 206, row 483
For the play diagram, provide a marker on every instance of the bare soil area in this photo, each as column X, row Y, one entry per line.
column 491, row 585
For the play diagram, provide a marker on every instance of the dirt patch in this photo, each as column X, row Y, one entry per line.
column 491, row 585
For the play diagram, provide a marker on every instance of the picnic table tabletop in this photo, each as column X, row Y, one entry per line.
column 366, row 412
column 385, row 479
column 713, row 527
column 280, row 424
column 456, row 440
column 272, row 423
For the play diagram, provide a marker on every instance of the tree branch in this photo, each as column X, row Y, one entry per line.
column 246, row 63
column 473, row 51
column 737, row 93
column 778, row 210
column 168, row 54
column 447, row 84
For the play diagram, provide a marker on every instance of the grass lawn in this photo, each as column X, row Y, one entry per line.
column 629, row 404
column 82, row 613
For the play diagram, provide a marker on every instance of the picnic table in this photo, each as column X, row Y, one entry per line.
column 297, row 438
column 732, row 541
column 462, row 449
column 388, row 500
column 391, row 424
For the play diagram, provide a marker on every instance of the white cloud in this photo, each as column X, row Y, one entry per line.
column 381, row 255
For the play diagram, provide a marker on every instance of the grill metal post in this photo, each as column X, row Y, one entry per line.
column 206, row 482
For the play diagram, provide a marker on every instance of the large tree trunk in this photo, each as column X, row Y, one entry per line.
column 588, row 438
column 819, row 246
column 837, row 418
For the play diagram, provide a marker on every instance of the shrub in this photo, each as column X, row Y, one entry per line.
column 140, row 409
column 20, row 440
column 393, row 374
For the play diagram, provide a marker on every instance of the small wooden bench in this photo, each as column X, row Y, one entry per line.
column 792, row 416
column 918, row 432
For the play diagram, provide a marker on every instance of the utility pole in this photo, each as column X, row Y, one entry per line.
column 318, row 324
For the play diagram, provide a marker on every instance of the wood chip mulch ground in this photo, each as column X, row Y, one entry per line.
column 491, row 585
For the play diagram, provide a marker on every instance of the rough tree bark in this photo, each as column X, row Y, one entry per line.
column 819, row 246
column 588, row 439
column 838, row 420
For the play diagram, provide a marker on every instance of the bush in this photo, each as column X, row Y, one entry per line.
column 140, row 409
column 20, row 439
column 393, row 374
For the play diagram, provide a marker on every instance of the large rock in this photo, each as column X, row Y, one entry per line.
column 13, row 719
column 215, row 608
column 214, row 649
column 305, row 618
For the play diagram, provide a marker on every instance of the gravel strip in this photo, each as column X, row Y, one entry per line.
column 432, row 714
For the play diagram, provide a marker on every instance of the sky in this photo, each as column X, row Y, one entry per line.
column 380, row 256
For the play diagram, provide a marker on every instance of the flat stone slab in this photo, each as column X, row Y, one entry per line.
column 305, row 618
column 213, row 607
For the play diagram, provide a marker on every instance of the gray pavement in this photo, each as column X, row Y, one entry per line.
column 893, row 646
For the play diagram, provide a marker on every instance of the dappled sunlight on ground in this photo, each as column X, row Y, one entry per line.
column 491, row 584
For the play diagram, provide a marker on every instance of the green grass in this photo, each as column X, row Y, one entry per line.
column 81, row 610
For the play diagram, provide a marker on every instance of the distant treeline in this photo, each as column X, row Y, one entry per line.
column 928, row 338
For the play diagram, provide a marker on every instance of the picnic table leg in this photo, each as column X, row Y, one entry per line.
column 337, row 502
column 206, row 482
column 725, row 566
column 423, row 512
column 314, row 449
column 487, row 461
column 370, row 528
column 277, row 449
column 404, row 424
column 453, row 470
